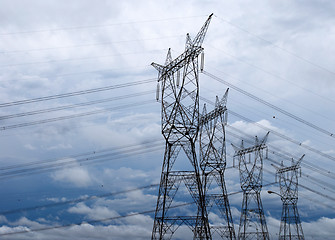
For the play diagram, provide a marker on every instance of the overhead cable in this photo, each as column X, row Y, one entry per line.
column 107, row 219
column 97, row 26
column 26, row 124
column 90, row 221
column 77, row 200
column 71, row 94
column 86, row 45
column 270, row 105
column 78, row 155
column 276, row 46
column 24, row 114
column 285, row 154
column 69, row 163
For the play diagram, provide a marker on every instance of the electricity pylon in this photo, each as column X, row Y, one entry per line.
column 290, row 225
column 179, row 80
column 213, row 165
column 252, row 221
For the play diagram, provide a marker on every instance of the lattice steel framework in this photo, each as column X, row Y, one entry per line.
column 290, row 226
column 250, row 163
column 180, row 127
column 213, row 165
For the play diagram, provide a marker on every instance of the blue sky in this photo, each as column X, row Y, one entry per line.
column 280, row 51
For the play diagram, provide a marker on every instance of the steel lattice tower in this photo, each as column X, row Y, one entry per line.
column 250, row 162
column 290, row 226
column 213, row 164
column 180, row 127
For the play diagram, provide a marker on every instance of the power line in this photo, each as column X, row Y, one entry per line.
column 26, row 124
column 303, row 186
column 274, row 75
column 91, row 221
column 277, row 133
column 284, row 136
column 276, row 46
column 96, row 26
column 317, row 192
column 107, row 219
column 82, row 161
column 317, row 201
column 309, row 178
column 285, row 100
column 283, row 154
column 270, row 105
column 54, row 76
column 86, row 45
column 78, row 59
column 93, row 152
column 258, row 110
column 73, row 164
column 77, row 200
column 324, row 185
column 305, row 163
column 24, row 114
column 88, row 197
column 42, row 167
column 308, row 188
column 318, row 182
column 313, row 200
column 71, row 94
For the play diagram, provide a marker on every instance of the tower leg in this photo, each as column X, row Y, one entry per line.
column 290, row 226
column 252, row 221
column 167, row 190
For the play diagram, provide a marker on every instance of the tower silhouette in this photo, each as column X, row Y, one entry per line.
column 213, row 164
column 290, row 225
column 250, row 164
column 179, row 80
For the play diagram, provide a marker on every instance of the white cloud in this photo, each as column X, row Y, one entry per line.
column 140, row 226
column 97, row 212
column 56, row 200
column 323, row 228
column 29, row 146
column 127, row 178
column 83, row 231
column 60, row 146
column 7, row 229
column 26, row 222
column 253, row 130
column 77, row 175
column 56, row 61
column 127, row 130
column 3, row 219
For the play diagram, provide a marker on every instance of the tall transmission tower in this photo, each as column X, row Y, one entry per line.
column 179, row 80
column 290, row 225
column 213, row 165
column 250, row 163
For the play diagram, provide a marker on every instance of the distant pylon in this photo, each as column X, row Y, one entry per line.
column 213, row 165
column 252, row 221
column 290, row 225
column 179, row 80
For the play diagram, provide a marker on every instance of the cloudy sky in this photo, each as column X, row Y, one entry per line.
column 78, row 116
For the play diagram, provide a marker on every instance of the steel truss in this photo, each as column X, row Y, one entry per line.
column 252, row 221
column 290, row 225
column 180, row 127
column 213, row 164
